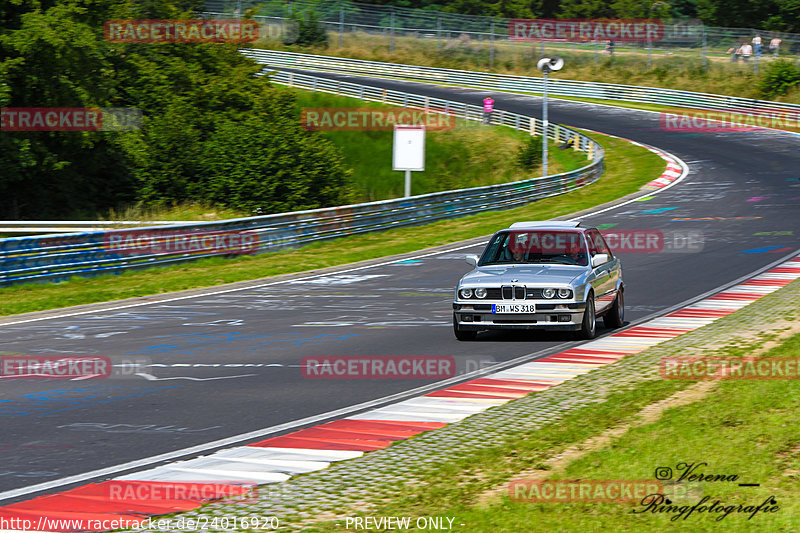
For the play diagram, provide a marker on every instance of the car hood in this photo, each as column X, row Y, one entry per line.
column 524, row 274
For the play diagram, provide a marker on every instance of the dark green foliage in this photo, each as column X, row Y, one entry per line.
column 529, row 155
column 778, row 15
column 306, row 29
column 200, row 103
column 778, row 78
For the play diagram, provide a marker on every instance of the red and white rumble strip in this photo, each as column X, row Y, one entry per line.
column 672, row 172
column 231, row 473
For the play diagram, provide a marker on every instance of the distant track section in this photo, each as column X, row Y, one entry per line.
column 526, row 84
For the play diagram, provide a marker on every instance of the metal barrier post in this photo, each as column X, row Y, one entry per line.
column 341, row 26
column 703, row 51
column 491, row 51
column 391, row 32
column 438, row 34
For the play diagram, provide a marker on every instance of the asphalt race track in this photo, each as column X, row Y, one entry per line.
column 225, row 364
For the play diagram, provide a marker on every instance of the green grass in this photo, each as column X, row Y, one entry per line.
column 745, row 428
column 628, row 167
column 174, row 212
column 470, row 155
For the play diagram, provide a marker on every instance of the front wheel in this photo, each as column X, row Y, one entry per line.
column 616, row 315
column 461, row 334
column 589, row 323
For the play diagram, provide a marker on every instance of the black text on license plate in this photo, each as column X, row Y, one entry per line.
column 513, row 308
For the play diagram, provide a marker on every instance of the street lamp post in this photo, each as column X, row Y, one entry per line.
column 547, row 65
column 545, row 122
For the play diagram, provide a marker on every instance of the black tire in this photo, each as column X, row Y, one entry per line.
column 615, row 316
column 461, row 334
column 589, row 324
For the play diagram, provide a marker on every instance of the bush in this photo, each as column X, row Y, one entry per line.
column 778, row 78
column 305, row 29
column 529, row 155
column 212, row 131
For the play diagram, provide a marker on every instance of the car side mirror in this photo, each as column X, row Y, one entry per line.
column 472, row 260
column 599, row 259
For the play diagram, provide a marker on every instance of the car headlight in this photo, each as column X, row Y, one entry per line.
column 548, row 293
column 564, row 293
column 466, row 293
column 480, row 293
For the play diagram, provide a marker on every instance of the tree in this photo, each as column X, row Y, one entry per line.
column 195, row 98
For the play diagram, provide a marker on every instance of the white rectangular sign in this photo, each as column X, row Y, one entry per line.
column 409, row 148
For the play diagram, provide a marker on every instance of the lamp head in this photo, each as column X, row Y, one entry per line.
column 550, row 64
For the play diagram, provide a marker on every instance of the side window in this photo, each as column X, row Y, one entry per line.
column 602, row 247
column 597, row 245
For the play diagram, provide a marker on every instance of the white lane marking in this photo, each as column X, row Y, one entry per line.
column 683, row 165
column 266, row 431
column 338, row 279
column 518, row 364
column 214, row 365
column 226, row 291
column 150, row 377
column 236, row 439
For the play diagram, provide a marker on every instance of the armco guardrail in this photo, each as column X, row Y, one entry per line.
column 59, row 257
column 506, row 82
column 69, row 226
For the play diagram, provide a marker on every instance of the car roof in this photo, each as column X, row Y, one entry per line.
column 545, row 224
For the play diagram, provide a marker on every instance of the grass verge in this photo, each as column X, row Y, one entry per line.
column 741, row 428
column 470, row 155
column 628, row 167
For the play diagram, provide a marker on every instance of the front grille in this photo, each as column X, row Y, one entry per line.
column 493, row 294
column 513, row 292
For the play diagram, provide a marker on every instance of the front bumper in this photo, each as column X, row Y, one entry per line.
column 472, row 316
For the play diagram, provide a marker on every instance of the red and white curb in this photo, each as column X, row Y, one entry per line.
column 186, row 485
column 675, row 170
column 670, row 174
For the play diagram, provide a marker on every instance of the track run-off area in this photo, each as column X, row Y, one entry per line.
column 225, row 368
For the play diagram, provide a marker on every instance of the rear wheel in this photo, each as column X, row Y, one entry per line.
column 589, row 323
column 461, row 334
column 616, row 315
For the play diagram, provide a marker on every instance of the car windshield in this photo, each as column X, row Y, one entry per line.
column 536, row 247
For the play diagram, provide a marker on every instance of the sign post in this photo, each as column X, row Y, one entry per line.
column 408, row 152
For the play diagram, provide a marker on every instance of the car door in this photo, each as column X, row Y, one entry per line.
column 605, row 275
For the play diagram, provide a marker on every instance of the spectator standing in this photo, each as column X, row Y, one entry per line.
column 747, row 51
column 488, row 108
column 757, row 45
column 774, row 45
column 610, row 47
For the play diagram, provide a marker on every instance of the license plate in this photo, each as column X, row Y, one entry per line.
column 513, row 308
